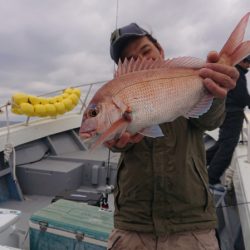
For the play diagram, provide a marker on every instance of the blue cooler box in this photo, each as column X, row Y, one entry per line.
column 70, row 225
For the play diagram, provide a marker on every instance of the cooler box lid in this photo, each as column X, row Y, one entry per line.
column 75, row 217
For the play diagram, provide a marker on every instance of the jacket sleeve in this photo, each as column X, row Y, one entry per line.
column 213, row 118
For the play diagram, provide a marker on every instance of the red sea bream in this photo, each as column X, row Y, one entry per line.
column 146, row 93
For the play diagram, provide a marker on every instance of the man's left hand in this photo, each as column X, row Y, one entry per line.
column 218, row 78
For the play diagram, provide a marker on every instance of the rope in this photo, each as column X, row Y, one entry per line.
column 9, row 148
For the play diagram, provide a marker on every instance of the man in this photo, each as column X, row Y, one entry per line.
column 162, row 200
column 220, row 154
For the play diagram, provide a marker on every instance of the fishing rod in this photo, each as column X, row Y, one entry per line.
column 109, row 188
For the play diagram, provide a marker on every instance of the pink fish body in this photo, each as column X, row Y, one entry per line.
column 146, row 93
column 156, row 95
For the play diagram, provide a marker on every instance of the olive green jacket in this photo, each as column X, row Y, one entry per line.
column 162, row 183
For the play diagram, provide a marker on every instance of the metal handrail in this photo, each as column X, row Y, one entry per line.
column 74, row 86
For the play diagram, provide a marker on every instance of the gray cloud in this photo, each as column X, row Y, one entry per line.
column 51, row 44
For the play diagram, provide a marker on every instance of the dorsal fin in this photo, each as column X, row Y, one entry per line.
column 132, row 65
column 185, row 62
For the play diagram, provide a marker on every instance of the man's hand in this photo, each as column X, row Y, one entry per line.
column 125, row 138
column 218, row 78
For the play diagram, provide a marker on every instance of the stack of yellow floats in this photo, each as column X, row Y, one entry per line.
column 23, row 104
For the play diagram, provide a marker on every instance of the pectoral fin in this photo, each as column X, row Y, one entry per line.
column 200, row 108
column 117, row 128
column 120, row 104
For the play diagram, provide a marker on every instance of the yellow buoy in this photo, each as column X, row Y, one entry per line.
column 77, row 92
column 65, row 95
column 27, row 109
column 17, row 111
column 19, row 98
column 74, row 98
column 45, row 106
column 50, row 109
column 60, row 108
column 68, row 104
column 51, row 100
column 33, row 99
column 40, row 110
column 58, row 98
column 43, row 100
column 68, row 91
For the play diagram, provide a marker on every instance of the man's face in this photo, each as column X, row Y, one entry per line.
column 245, row 64
column 142, row 48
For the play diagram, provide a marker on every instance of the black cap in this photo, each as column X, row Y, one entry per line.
column 120, row 36
column 247, row 59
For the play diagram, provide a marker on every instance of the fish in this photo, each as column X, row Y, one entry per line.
column 146, row 93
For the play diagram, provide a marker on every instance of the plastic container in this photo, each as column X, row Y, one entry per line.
column 8, row 219
column 68, row 224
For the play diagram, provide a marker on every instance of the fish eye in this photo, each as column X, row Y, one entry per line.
column 92, row 112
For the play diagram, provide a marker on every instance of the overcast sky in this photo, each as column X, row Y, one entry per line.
column 51, row 44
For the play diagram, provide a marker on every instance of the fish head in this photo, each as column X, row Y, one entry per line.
column 98, row 117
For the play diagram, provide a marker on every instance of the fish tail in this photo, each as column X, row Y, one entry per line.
column 234, row 49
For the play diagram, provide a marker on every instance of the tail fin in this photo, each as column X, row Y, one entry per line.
column 235, row 50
